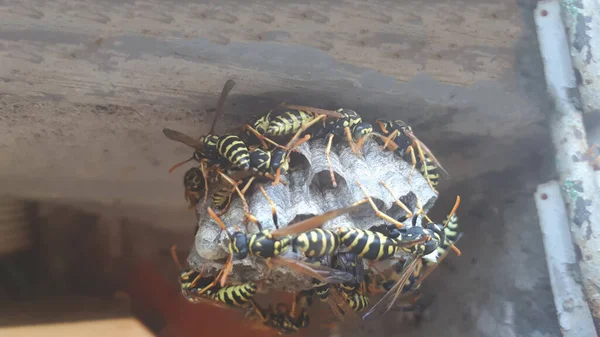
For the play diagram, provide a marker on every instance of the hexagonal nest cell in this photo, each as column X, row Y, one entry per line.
column 308, row 191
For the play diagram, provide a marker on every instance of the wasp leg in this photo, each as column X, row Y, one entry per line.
column 400, row 204
column 289, row 148
column 247, row 214
column 204, row 170
column 361, row 141
column 260, row 312
column 424, row 167
column 179, row 164
column 389, row 138
column 226, row 207
column 305, row 127
column 273, row 207
column 263, row 140
column 276, row 180
column 351, row 142
column 327, row 155
column 293, row 311
column 377, row 211
column 410, row 150
column 421, row 211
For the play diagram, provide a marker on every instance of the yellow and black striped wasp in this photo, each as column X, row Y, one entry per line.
column 285, row 121
column 194, row 185
column 271, row 244
column 350, row 125
column 373, row 245
column 197, row 288
column 355, row 291
column 210, row 149
column 399, row 137
column 436, row 235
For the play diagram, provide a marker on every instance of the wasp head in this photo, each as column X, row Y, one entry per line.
column 438, row 230
column 239, row 245
column 361, row 129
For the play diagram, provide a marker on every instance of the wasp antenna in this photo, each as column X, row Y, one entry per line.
column 174, row 256
column 218, row 221
column 456, row 204
column 179, row 164
column 455, row 249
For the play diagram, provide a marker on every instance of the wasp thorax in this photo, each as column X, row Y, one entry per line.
column 361, row 129
column 239, row 245
column 438, row 230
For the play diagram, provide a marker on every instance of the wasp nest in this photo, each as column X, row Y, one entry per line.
column 308, row 192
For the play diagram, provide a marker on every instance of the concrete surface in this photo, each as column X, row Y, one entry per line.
column 86, row 88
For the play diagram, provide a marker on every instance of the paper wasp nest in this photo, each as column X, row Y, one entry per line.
column 309, row 192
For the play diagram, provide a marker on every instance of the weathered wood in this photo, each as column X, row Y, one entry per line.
column 89, row 86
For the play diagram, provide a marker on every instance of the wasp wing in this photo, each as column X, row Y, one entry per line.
column 226, row 89
column 422, row 147
column 207, row 300
column 439, row 260
column 321, row 273
column 344, row 313
column 183, row 138
column 387, row 301
column 330, row 113
column 315, row 221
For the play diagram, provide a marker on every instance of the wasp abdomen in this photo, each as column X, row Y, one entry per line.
column 356, row 300
column 317, row 242
column 321, row 289
column 234, row 150
column 288, row 122
column 368, row 244
column 236, row 295
column 263, row 245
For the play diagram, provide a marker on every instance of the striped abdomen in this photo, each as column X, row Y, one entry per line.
column 428, row 169
column 222, row 197
column 236, row 295
column 234, row 150
column 264, row 245
column 317, row 242
column 356, row 301
column 368, row 244
column 451, row 230
column 321, row 289
column 288, row 122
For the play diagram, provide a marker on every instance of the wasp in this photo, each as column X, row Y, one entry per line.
column 436, row 237
column 270, row 244
column 286, row 120
column 282, row 319
column 376, row 246
column 401, row 139
column 194, row 185
column 354, row 292
column 452, row 236
column 349, row 125
column 198, row 288
column 206, row 148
